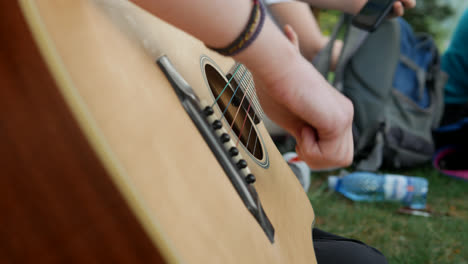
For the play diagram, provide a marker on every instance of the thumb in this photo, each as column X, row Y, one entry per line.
column 291, row 35
column 308, row 147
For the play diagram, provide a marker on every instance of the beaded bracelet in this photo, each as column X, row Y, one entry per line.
column 249, row 34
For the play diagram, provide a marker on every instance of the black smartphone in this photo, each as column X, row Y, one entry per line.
column 372, row 14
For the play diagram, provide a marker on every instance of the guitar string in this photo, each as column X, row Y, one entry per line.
column 242, row 128
column 253, row 96
column 248, row 137
column 230, row 101
column 240, row 106
column 249, row 90
column 250, row 132
column 226, row 86
column 255, row 145
column 250, row 79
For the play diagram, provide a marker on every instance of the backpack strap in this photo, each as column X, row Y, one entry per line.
column 354, row 38
column 420, row 74
column 322, row 60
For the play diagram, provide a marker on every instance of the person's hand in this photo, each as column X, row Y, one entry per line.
column 331, row 150
column 296, row 97
column 400, row 6
column 319, row 117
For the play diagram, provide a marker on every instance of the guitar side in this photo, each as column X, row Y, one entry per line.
column 102, row 55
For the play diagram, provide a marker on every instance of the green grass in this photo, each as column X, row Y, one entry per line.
column 442, row 238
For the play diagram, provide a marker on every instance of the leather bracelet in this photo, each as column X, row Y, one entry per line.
column 249, row 34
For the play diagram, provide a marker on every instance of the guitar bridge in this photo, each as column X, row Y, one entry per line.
column 220, row 144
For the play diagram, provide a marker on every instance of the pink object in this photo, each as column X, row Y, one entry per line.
column 462, row 174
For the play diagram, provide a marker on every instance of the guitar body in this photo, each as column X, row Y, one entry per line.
column 134, row 152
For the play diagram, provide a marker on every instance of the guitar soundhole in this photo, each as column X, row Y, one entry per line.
column 230, row 103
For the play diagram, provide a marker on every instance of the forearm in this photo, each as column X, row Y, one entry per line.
column 302, row 101
column 216, row 22
column 299, row 16
column 269, row 54
column 348, row 6
column 219, row 22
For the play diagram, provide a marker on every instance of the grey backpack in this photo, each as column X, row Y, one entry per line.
column 394, row 80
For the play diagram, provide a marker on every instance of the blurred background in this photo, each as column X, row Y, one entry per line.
column 439, row 238
column 437, row 17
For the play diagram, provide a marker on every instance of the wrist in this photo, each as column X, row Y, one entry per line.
column 249, row 33
column 311, row 50
column 267, row 56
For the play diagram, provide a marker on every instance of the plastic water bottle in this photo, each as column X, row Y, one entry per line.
column 366, row 186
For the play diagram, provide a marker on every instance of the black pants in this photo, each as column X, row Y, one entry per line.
column 332, row 249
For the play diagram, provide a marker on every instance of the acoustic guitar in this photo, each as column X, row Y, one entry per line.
column 125, row 140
